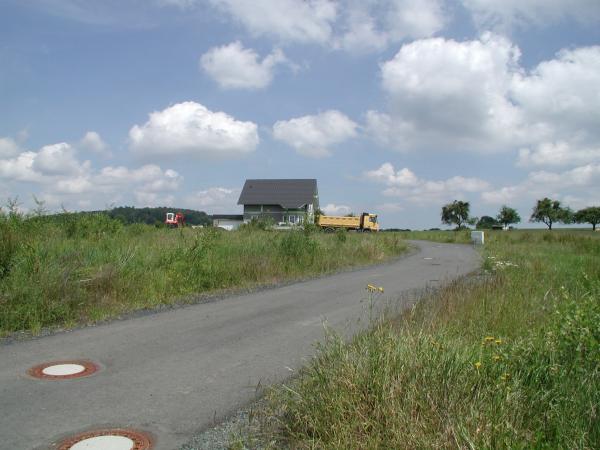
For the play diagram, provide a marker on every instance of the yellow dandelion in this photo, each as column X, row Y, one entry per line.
column 371, row 288
column 505, row 376
column 489, row 339
column 380, row 289
column 477, row 365
column 498, row 341
column 497, row 357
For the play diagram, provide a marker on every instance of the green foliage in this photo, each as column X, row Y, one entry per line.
column 341, row 235
column 10, row 242
column 258, row 224
column 67, row 269
column 510, row 360
column 549, row 212
column 151, row 216
column 508, row 216
column 589, row 215
column 296, row 245
column 310, row 228
column 486, row 222
column 456, row 213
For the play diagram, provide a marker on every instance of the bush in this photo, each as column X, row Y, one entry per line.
column 340, row 235
column 10, row 242
column 297, row 245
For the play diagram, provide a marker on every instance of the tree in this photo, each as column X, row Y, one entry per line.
column 486, row 222
column 550, row 211
column 457, row 213
column 507, row 215
column 590, row 214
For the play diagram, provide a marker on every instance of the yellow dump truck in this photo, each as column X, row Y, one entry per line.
column 364, row 222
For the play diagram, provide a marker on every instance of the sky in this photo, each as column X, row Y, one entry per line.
column 396, row 107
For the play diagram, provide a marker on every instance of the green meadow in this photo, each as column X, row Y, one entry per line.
column 507, row 359
column 71, row 269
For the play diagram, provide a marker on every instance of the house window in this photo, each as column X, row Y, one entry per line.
column 293, row 219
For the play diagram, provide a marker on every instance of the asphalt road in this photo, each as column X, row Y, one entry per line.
column 173, row 373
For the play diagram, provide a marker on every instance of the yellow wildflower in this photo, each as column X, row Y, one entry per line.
column 477, row 365
column 371, row 288
column 505, row 376
column 497, row 357
column 380, row 289
column 489, row 339
column 498, row 341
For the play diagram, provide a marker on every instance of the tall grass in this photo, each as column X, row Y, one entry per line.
column 511, row 360
column 70, row 269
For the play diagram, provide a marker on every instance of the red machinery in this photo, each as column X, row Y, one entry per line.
column 175, row 220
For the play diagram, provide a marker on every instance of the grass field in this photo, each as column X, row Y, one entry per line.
column 509, row 360
column 71, row 269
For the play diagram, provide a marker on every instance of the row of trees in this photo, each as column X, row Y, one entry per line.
column 546, row 210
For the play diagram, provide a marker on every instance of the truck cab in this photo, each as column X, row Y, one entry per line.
column 369, row 222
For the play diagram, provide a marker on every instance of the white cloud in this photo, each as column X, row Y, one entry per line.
column 580, row 183
column 63, row 178
column 314, row 135
column 190, row 128
column 373, row 25
column 508, row 14
column 214, row 199
column 387, row 174
column 447, row 94
column 288, row 20
column 475, row 96
column 58, row 159
column 234, row 67
column 559, row 99
column 332, row 209
column 144, row 198
column 390, row 207
column 352, row 25
column 404, row 183
column 559, row 153
column 75, row 185
column 8, row 148
column 92, row 141
column 20, row 168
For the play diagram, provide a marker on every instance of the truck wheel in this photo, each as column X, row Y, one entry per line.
column 329, row 230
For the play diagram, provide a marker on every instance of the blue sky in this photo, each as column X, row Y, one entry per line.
column 395, row 106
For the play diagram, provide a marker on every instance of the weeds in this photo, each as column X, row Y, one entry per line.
column 70, row 268
column 509, row 361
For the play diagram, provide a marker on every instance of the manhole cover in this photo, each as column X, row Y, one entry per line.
column 108, row 439
column 61, row 370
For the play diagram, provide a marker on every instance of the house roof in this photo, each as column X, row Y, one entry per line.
column 289, row 193
column 228, row 217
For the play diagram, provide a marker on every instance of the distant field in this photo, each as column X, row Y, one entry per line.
column 508, row 360
column 74, row 269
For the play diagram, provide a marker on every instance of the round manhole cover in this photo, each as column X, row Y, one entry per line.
column 108, row 439
column 61, row 370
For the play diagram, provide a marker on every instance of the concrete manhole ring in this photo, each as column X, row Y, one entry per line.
column 108, row 439
column 63, row 370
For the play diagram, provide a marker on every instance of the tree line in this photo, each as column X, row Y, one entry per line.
column 546, row 211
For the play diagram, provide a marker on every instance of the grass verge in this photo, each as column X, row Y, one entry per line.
column 71, row 269
column 512, row 361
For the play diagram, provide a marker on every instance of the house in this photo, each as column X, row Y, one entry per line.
column 227, row 221
column 290, row 201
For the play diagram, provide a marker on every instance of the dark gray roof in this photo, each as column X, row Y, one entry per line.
column 228, row 216
column 287, row 193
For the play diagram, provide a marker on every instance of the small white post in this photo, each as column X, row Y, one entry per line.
column 477, row 237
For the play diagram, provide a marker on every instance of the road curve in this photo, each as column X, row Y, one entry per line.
column 174, row 372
